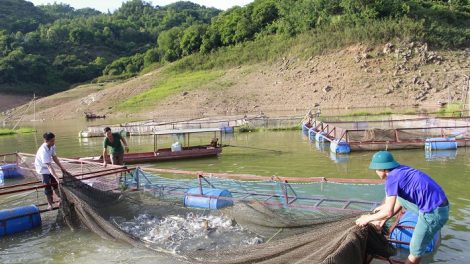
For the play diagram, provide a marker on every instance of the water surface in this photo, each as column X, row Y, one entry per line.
column 299, row 157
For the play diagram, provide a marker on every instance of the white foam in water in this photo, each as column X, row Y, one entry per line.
column 193, row 232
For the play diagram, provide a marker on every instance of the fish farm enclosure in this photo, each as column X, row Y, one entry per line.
column 390, row 132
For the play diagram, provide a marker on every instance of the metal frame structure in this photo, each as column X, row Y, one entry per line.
column 333, row 130
column 148, row 127
column 288, row 198
column 186, row 135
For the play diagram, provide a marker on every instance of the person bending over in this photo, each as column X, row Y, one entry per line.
column 415, row 191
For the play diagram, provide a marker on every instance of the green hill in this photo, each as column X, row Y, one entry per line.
column 57, row 47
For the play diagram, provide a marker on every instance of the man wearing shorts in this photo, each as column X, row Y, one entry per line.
column 43, row 163
column 113, row 140
column 415, row 191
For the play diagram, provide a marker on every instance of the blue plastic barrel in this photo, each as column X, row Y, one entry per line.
column 226, row 129
column 402, row 234
column 440, row 143
column 206, row 202
column 9, row 171
column 19, row 219
column 306, row 126
column 340, row 146
column 312, row 132
column 321, row 136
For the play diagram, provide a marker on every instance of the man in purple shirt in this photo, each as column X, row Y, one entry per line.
column 415, row 191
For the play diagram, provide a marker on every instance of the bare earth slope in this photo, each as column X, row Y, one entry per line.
column 9, row 101
column 357, row 76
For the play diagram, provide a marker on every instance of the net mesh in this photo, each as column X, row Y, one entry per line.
column 277, row 234
column 397, row 134
column 270, row 221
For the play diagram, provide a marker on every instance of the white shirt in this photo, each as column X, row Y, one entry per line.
column 43, row 156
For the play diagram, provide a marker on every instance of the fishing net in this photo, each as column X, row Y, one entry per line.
column 398, row 134
column 266, row 224
column 23, row 185
column 270, row 221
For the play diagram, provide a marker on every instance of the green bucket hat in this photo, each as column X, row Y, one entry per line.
column 383, row 160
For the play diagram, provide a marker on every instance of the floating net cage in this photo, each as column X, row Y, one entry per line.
column 21, row 180
column 396, row 134
column 367, row 118
column 149, row 126
column 268, row 220
column 274, row 122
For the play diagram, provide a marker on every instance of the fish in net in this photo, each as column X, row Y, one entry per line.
column 286, row 239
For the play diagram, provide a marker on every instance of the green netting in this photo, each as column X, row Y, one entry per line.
column 332, row 195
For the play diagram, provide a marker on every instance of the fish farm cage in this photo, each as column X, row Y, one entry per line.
column 200, row 217
column 390, row 132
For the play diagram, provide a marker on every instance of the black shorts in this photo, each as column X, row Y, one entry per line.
column 48, row 179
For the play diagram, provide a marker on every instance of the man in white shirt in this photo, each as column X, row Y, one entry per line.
column 43, row 163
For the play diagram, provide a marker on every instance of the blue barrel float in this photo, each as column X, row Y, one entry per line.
column 312, row 132
column 321, row 137
column 9, row 171
column 226, row 129
column 206, row 202
column 402, row 234
column 306, row 126
column 338, row 146
column 19, row 219
column 440, row 143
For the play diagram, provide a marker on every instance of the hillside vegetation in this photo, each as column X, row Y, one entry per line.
column 284, row 54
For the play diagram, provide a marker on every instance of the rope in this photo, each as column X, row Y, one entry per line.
column 274, row 235
column 10, row 116
column 23, row 114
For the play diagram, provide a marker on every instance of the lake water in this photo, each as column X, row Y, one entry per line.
column 300, row 157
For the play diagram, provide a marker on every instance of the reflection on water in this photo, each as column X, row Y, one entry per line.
column 300, row 157
column 340, row 158
column 323, row 145
column 440, row 155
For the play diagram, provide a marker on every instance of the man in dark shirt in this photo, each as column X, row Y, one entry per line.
column 117, row 151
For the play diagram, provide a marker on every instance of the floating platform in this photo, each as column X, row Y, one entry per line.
column 351, row 134
column 148, row 127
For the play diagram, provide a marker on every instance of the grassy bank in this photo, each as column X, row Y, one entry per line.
column 7, row 131
column 169, row 84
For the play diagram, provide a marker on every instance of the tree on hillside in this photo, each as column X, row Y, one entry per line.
column 74, row 45
column 192, row 39
column 169, row 44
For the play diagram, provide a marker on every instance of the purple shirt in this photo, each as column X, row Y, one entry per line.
column 414, row 186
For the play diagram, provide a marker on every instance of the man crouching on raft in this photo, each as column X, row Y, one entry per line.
column 415, row 191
